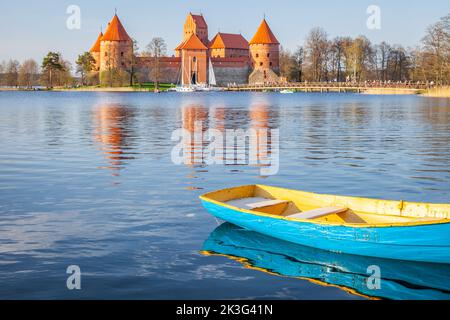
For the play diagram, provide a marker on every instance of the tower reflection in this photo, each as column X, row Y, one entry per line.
column 113, row 133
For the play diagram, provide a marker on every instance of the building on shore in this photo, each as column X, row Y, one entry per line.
column 233, row 58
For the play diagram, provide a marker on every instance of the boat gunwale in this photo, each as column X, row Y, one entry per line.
column 437, row 221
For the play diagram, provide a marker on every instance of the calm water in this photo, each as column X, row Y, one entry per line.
column 87, row 179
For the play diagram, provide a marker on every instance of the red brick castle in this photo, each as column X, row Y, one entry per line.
column 232, row 57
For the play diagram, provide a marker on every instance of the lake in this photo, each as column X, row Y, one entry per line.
column 88, row 180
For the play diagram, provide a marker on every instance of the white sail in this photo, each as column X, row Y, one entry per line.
column 212, row 76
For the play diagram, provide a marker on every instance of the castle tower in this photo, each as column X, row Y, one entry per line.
column 195, row 24
column 95, row 52
column 116, row 47
column 264, row 55
column 194, row 61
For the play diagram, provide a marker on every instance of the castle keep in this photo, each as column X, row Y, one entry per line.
column 232, row 57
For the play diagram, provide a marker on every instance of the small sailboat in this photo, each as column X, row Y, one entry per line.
column 287, row 91
column 186, row 87
column 368, row 227
column 212, row 82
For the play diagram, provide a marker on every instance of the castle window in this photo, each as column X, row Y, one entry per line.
column 260, row 64
column 257, row 55
column 268, row 55
column 121, row 54
column 271, row 64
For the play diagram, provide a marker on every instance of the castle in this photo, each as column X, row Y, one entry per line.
column 232, row 57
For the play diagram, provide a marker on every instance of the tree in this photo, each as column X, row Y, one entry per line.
column 359, row 58
column 50, row 65
column 2, row 73
column 299, row 58
column 85, row 64
column 437, row 46
column 132, row 62
column 383, row 52
column 12, row 73
column 28, row 73
column 316, row 53
column 287, row 65
column 338, row 48
column 156, row 49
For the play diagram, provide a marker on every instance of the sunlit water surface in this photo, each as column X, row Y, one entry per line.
column 87, row 179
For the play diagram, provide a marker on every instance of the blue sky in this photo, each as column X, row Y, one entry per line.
column 32, row 28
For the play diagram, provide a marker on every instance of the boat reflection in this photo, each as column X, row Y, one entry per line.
column 399, row 279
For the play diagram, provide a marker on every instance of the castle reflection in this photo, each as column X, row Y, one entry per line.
column 113, row 134
column 197, row 120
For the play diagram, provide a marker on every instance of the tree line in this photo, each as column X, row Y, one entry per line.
column 346, row 59
column 54, row 71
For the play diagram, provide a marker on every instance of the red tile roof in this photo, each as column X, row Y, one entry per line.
column 96, row 46
column 116, row 31
column 193, row 43
column 264, row 35
column 229, row 41
column 199, row 21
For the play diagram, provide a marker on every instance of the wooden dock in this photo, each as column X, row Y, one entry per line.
column 397, row 88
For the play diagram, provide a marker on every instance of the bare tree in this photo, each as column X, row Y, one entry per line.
column 437, row 43
column 12, row 73
column 156, row 49
column 28, row 73
column 316, row 53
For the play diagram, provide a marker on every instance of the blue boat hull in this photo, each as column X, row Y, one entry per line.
column 427, row 243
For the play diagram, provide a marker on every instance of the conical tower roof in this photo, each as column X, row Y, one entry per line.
column 116, row 31
column 264, row 35
column 96, row 46
column 193, row 43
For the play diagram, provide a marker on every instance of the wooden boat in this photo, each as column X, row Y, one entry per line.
column 399, row 280
column 368, row 227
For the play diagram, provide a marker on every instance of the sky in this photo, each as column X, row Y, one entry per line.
column 32, row 28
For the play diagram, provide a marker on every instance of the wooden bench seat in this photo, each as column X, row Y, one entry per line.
column 255, row 203
column 317, row 213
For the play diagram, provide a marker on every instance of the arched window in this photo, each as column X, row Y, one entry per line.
column 268, row 55
column 257, row 55
column 260, row 64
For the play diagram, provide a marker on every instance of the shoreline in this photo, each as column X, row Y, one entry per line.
column 443, row 92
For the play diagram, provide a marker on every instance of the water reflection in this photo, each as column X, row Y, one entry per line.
column 399, row 279
column 113, row 132
column 243, row 138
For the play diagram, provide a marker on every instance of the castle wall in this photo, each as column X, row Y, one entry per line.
column 231, row 75
column 229, row 53
column 170, row 70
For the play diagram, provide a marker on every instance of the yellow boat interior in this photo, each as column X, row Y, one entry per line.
column 329, row 209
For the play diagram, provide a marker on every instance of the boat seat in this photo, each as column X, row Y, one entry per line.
column 255, row 203
column 317, row 213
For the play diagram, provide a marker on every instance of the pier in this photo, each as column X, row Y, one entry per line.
column 375, row 88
